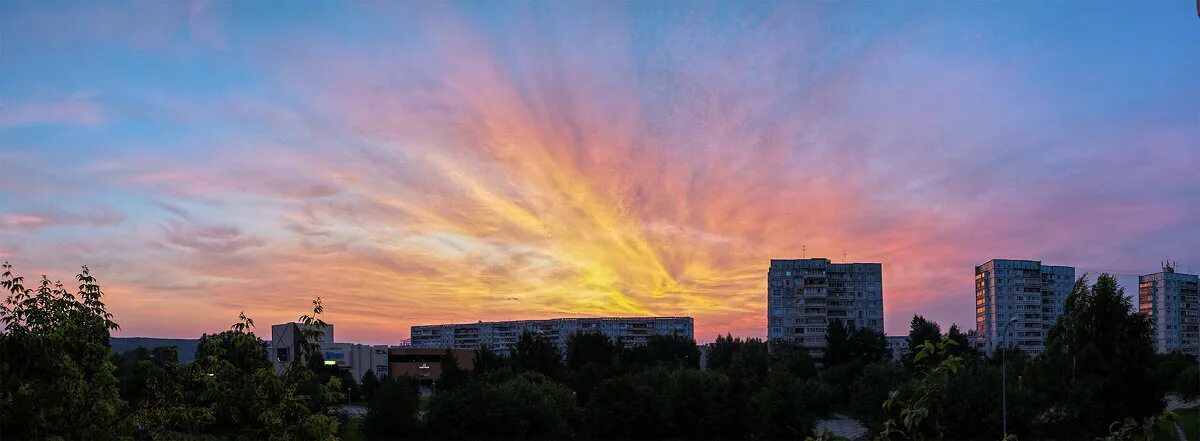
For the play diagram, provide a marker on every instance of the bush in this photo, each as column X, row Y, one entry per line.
column 527, row 405
column 392, row 411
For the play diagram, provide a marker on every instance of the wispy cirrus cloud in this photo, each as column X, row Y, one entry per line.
column 456, row 163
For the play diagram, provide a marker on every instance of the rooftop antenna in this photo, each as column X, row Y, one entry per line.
column 1168, row 266
column 843, row 255
column 803, row 251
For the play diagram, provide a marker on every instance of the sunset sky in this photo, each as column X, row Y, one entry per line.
column 428, row 162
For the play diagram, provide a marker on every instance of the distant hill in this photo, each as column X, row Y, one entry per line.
column 185, row 346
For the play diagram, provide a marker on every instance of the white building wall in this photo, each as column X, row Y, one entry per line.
column 1031, row 292
column 502, row 336
column 1169, row 299
column 805, row 295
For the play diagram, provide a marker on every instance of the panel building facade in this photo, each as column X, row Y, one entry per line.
column 1026, row 290
column 805, row 295
column 287, row 347
column 502, row 336
column 1170, row 300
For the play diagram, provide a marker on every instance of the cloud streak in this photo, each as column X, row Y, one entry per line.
column 453, row 163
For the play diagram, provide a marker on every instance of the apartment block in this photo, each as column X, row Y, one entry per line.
column 1025, row 290
column 899, row 347
column 1170, row 300
column 805, row 295
column 502, row 336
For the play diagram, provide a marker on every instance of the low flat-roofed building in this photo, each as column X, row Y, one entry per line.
column 424, row 364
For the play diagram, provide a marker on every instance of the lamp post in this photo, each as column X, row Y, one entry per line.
column 1004, row 378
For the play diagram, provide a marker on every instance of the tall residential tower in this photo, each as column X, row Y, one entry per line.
column 805, row 295
column 1025, row 290
column 1170, row 300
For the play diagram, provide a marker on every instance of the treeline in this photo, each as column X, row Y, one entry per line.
column 60, row 380
column 1098, row 377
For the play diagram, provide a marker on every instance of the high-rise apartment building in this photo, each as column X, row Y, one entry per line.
column 805, row 295
column 502, row 336
column 1025, row 290
column 1170, row 300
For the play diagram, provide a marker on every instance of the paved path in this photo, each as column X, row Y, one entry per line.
column 1176, row 403
column 353, row 410
column 844, row 426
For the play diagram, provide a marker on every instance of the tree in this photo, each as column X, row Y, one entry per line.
column 535, row 353
column 392, row 412
column 234, row 392
column 872, row 387
column 528, row 405
column 370, row 385
column 844, row 344
column 1096, row 368
column 452, row 376
column 1177, row 369
column 674, row 350
column 661, row 402
column 792, row 359
column 55, row 362
column 916, row 409
column 965, row 346
column 784, row 408
column 868, row 345
column 590, row 348
column 922, row 330
column 837, row 343
column 487, row 360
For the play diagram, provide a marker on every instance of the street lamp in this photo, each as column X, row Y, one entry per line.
column 1004, row 377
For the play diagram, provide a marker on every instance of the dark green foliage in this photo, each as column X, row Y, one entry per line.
column 870, row 389
column 922, row 330
column 720, row 353
column 1177, row 372
column 244, row 354
column 591, row 348
column 837, row 344
column 237, row 393
column 663, row 403
column 534, row 353
column 750, row 361
column 487, row 360
column 591, row 357
column 917, row 408
column 528, row 405
column 672, row 350
column 965, row 346
column 56, row 372
column 658, row 349
column 792, row 359
column 370, row 385
column 1187, row 383
column 452, row 375
column 392, row 411
column 787, row 408
column 1096, row 369
column 844, row 344
column 137, row 367
column 972, row 405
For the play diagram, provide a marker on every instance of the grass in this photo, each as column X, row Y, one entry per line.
column 351, row 430
column 1187, row 419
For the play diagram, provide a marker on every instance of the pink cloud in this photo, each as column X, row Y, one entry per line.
column 83, row 111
